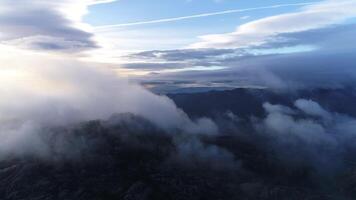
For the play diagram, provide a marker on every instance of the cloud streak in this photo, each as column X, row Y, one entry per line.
column 173, row 19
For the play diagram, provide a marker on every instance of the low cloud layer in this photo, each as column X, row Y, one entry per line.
column 43, row 91
column 308, row 59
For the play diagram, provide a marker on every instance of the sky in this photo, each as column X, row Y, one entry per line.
column 245, row 42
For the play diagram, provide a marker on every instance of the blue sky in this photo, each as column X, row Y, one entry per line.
column 182, row 32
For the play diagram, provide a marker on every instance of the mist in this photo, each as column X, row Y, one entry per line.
column 309, row 135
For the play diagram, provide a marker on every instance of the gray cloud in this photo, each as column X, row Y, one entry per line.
column 42, row 25
column 311, row 108
column 334, row 38
column 183, row 54
column 155, row 66
column 286, row 71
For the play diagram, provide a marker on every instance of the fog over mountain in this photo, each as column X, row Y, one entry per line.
column 114, row 99
column 293, row 149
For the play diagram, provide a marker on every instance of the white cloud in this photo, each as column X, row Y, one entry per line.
column 305, row 139
column 43, row 90
column 284, row 121
column 79, row 90
column 311, row 107
column 260, row 31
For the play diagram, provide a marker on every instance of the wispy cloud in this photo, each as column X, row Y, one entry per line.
column 173, row 19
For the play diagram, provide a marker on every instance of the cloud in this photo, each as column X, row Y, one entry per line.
column 46, row 25
column 302, row 140
column 311, row 108
column 269, row 108
column 336, row 39
column 49, row 43
column 329, row 39
column 182, row 54
column 39, row 90
column 279, row 72
column 154, row 66
column 193, row 151
column 177, row 59
column 258, row 32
